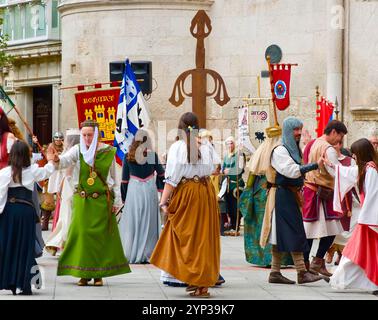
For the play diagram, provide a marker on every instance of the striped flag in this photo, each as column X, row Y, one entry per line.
column 132, row 112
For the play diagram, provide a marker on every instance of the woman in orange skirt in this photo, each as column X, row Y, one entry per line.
column 189, row 246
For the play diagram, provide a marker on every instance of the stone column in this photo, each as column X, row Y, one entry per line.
column 334, row 47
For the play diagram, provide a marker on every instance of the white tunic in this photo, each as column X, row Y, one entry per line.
column 178, row 166
column 346, row 179
column 322, row 227
column 347, row 274
column 72, row 156
column 284, row 164
column 342, row 239
column 30, row 175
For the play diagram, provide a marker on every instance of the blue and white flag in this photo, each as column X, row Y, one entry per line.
column 132, row 112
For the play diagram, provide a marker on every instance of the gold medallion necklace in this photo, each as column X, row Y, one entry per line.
column 92, row 174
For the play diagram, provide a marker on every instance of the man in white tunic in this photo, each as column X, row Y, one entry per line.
column 319, row 218
column 287, row 233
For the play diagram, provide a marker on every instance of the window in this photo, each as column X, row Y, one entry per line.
column 26, row 21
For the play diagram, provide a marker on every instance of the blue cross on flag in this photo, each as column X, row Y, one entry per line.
column 132, row 112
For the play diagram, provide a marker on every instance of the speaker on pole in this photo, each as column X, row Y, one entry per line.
column 142, row 71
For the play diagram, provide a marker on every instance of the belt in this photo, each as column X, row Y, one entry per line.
column 15, row 200
column 291, row 188
column 196, row 179
column 84, row 194
column 314, row 187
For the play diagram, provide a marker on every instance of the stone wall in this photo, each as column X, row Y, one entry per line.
column 97, row 32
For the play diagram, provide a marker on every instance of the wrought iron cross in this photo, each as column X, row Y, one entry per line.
column 200, row 29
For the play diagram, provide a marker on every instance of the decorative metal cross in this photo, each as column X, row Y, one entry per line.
column 200, row 29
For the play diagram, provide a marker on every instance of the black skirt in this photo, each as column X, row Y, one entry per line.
column 18, row 267
column 291, row 236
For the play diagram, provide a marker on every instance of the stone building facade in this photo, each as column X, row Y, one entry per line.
column 333, row 41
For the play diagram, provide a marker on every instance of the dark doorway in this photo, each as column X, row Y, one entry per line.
column 42, row 114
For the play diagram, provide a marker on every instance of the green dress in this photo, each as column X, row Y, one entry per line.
column 252, row 207
column 235, row 174
column 93, row 248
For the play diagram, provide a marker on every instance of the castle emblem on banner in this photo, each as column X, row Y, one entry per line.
column 105, row 119
column 101, row 106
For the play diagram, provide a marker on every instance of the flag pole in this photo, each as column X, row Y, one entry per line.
column 272, row 90
column 337, row 109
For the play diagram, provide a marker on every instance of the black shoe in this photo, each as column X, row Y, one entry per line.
column 13, row 289
column 220, row 281
column 26, row 293
column 277, row 277
column 375, row 292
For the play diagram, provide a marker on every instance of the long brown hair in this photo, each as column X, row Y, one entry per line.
column 19, row 158
column 137, row 154
column 188, row 131
column 4, row 124
column 364, row 152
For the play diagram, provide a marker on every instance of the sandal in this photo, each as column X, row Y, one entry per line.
column 191, row 288
column 201, row 292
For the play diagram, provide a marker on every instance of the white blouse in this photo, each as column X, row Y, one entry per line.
column 72, row 157
column 178, row 166
column 345, row 179
column 30, row 175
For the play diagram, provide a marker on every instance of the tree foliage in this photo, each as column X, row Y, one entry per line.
column 5, row 58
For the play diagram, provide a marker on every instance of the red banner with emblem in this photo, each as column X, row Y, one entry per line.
column 99, row 105
column 280, row 82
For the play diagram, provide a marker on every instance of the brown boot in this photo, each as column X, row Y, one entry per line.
column 98, row 282
column 307, row 277
column 324, row 271
column 83, row 282
column 318, row 266
column 330, row 253
column 45, row 219
column 277, row 277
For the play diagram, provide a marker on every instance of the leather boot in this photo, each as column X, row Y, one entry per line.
column 330, row 253
column 45, row 219
column 277, row 277
column 308, row 268
column 307, row 277
column 98, row 282
column 324, row 271
column 318, row 266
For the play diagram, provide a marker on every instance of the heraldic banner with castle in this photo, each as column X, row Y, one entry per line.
column 99, row 105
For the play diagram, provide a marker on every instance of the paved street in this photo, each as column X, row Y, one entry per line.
column 243, row 281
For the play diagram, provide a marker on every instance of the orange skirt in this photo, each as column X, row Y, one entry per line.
column 189, row 246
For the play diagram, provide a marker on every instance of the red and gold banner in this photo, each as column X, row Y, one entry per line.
column 99, row 105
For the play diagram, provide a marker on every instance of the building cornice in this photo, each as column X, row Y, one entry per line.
column 35, row 50
column 67, row 7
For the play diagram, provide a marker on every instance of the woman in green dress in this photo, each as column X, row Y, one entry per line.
column 93, row 249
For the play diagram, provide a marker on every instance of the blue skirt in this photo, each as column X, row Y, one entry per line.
column 18, row 268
